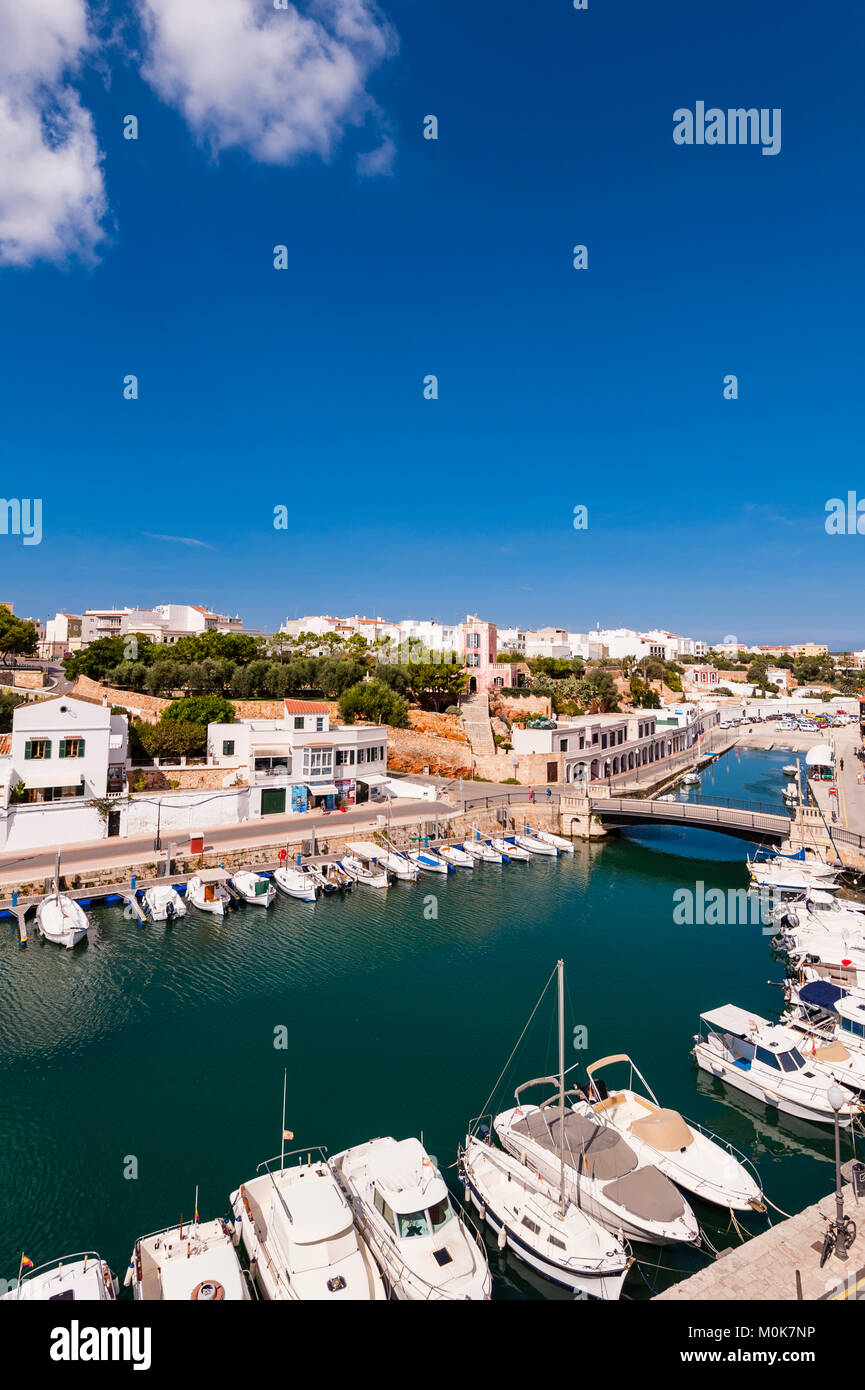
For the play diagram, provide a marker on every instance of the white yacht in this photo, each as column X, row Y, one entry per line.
column 253, row 888
column 822, row 1038
column 818, row 912
column 508, row 849
column 690, row 1156
column 296, row 884
column 763, row 1059
column 207, row 891
column 825, row 957
column 61, row 919
column 298, row 1232
column 536, row 846
column 604, row 1175
column 76, row 1278
column 538, row 1221
column 404, row 1212
column 196, row 1262
column 456, row 855
column 566, row 846
column 429, row 861
column 368, row 875
column 163, row 904
column 793, row 875
column 831, row 1006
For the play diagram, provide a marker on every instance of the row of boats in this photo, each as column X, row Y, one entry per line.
column 811, row 1064
column 63, row 920
column 566, row 1184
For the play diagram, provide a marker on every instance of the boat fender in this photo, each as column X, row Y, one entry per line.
column 503, row 1239
column 127, row 1280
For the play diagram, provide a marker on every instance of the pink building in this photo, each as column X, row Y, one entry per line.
column 478, row 648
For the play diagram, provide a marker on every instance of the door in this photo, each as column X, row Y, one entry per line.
column 273, row 801
column 113, row 822
column 552, row 772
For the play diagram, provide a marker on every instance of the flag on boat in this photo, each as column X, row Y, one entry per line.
column 25, row 1263
column 288, row 1134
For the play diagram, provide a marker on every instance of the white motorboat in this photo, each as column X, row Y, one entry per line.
column 794, row 876
column 207, row 891
column 298, row 1232
column 368, row 875
column 84, row 1277
column 332, row 878
column 196, row 1262
column 535, row 846
column 535, row 1218
column 479, row 849
column 802, row 918
column 404, row 1212
column 296, row 884
column 566, row 846
column 163, row 904
column 821, row 1037
column 61, row 919
column 691, row 779
column 399, row 865
column 689, row 1155
column 763, row 1059
column 456, row 855
column 508, row 849
column 789, row 769
column 430, row 862
column 253, row 888
column 566, row 1246
column 604, row 1175
column 826, row 1004
column 825, row 957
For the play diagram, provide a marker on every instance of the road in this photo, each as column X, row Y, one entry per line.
column 273, row 830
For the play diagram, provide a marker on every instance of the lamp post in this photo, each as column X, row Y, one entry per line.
column 837, row 1099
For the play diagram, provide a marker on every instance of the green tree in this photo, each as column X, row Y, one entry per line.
column 9, row 702
column 435, row 685
column 375, row 701
column 17, row 635
column 200, row 709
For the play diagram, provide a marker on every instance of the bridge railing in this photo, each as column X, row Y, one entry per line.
column 703, row 813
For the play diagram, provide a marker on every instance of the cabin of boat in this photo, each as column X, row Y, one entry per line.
column 83, row 1277
column 197, row 1262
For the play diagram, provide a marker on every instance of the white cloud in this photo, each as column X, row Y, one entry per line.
column 275, row 82
column 52, row 196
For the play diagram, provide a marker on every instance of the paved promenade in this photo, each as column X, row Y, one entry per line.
column 764, row 1268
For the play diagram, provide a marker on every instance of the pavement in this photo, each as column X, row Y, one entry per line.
column 22, row 865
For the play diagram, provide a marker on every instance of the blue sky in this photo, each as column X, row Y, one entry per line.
column 557, row 387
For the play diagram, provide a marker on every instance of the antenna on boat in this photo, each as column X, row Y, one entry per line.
column 282, row 1150
column 560, row 967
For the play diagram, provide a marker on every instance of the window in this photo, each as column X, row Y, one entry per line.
column 472, row 660
column 531, row 1226
column 559, row 1244
column 563, row 746
column 227, row 747
column 360, row 755
column 382, row 1206
column 298, row 721
column 767, row 1058
column 473, row 641
column 415, row 1223
column 440, row 1214
column 40, row 794
column 37, row 748
column 319, row 723
column 604, row 741
column 71, row 748
column 317, row 762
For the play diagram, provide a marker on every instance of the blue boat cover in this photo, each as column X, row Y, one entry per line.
column 821, row 993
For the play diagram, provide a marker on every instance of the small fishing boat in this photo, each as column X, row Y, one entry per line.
column 480, row 850
column 691, row 779
column 789, row 770
column 403, row 1210
column 296, row 884
column 535, row 846
column 764, row 1060
column 456, row 855
column 298, row 1231
column 399, row 865
column 79, row 1278
column 333, row 879
column 253, row 888
column 510, row 849
column 196, row 1262
column 368, row 875
column 566, row 846
column 795, row 877
column 430, row 862
column 690, row 1156
column 163, row 904
column 825, row 957
column 61, row 919
column 207, row 891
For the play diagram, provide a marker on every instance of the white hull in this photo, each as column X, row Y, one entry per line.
column 452, row 854
column 368, row 878
column 514, row 852
column 215, row 906
column 62, row 921
column 711, row 1062
column 400, row 867
column 196, row 1264
column 429, row 862
column 536, row 846
column 246, row 884
column 295, row 884
column 82, row 1278
column 163, row 904
column 485, row 853
column 566, row 846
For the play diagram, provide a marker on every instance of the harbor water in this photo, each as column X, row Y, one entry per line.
column 149, row 1062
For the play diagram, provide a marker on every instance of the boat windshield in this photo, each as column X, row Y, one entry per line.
column 441, row 1213
column 425, row 1223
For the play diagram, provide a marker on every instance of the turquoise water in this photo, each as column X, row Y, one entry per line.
column 158, row 1044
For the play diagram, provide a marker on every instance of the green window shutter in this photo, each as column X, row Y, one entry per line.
column 62, row 750
column 47, row 753
column 28, row 749
column 81, row 748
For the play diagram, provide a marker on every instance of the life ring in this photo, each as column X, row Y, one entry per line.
column 208, row 1291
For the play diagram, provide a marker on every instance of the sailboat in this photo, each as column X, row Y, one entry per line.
column 61, row 919
column 534, row 1217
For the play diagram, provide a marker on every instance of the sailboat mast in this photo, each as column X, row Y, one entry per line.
column 282, row 1150
column 560, row 967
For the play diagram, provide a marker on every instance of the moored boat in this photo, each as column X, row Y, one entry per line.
column 84, row 1277
column 163, row 904
column 368, row 875
column 195, row 1262
column 206, row 890
column 61, row 919
column 510, row 850
column 535, row 846
column 430, row 862
column 253, row 888
column 456, row 855
column 296, row 884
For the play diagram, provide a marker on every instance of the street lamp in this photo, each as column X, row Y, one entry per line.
column 838, row 1099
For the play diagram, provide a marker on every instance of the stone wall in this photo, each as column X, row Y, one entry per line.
column 520, row 706
column 149, row 707
column 410, row 751
column 160, row 778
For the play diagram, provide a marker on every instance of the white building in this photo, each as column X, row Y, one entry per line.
column 62, row 636
column 594, row 747
column 300, row 760
column 61, row 753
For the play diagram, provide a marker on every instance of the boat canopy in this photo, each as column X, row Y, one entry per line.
column 820, row 756
column 212, row 875
column 822, row 994
column 664, row 1130
column 731, row 1019
column 367, row 849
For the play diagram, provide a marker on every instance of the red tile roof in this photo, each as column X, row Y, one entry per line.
column 305, row 707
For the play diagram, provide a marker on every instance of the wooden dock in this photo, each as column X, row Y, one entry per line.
column 783, row 1263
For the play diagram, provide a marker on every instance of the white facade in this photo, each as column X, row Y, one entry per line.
column 596, row 746
column 63, row 752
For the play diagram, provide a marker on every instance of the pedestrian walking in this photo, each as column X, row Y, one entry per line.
column 531, row 793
